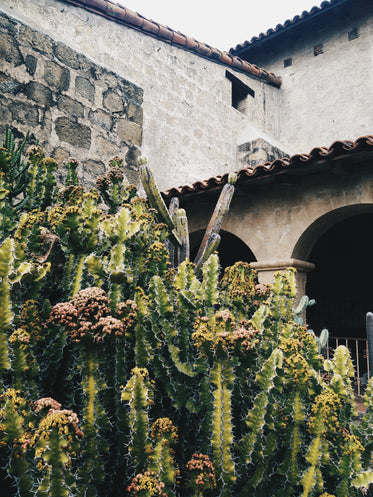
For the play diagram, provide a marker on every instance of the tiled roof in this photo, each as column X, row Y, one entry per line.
column 123, row 15
column 326, row 5
column 318, row 155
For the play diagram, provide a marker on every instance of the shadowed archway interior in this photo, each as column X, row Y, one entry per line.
column 231, row 248
column 342, row 281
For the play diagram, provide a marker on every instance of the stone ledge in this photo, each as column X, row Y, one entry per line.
column 282, row 265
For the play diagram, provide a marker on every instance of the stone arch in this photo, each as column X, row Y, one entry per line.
column 342, row 280
column 321, row 225
column 231, row 248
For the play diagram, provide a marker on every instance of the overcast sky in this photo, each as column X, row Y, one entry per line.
column 220, row 24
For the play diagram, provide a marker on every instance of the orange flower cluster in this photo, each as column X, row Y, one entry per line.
column 87, row 317
column 202, row 472
column 146, row 485
column 221, row 332
column 46, row 402
column 164, row 428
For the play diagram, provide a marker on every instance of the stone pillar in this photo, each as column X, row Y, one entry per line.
column 267, row 269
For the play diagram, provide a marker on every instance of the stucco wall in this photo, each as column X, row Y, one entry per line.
column 284, row 220
column 329, row 96
column 190, row 129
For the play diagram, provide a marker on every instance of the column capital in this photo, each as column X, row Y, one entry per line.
column 267, row 269
column 273, row 265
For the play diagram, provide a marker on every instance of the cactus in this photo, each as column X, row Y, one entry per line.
column 369, row 332
column 164, row 434
column 156, row 201
column 177, row 222
column 114, row 187
column 185, row 382
column 217, row 218
column 138, row 394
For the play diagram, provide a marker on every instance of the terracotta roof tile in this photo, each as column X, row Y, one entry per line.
column 126, row 16
column 338, row 149
column 288, row 23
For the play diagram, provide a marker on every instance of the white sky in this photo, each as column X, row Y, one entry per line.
column 220, row 24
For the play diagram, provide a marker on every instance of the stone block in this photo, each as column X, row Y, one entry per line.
column 257, row 152
column 66, row 55
column 31, row 64
column 113, row 102
column 132, row 176
column 78, row 135
column 93, row 168
column 36, row 40
column 70, row 106
column 129, row 132
column 135, row 113
column 85, row 64
column 7, row 25
column 132, row 92
column 85, row 88
column 9, row 85
column 56, row 76
column 5, row 114
column 104, row 147
column 101, row 118
column 25, row 113
column 60, row 154
column 46, row 121
column 39, row 93
column 9, row 50
column 132, row 156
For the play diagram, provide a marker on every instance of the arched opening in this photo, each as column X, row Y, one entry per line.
column 338, row 243
column 231, row 248
column 342, row 281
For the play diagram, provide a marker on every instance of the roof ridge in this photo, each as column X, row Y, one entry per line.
column 123, row 15
column 286, row 24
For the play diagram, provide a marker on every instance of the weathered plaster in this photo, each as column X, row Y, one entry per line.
column 190, row 128
column 283, row 221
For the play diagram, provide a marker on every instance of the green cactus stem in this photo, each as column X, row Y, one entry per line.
column 222, row 378
column 56, row 442
column 92, row 472
column 14, row 169
column 256, row 416
column 209, row 289
column 16, row 434
column 161, row 460
column 6, row 315
column 138, row 394
column 309, row 477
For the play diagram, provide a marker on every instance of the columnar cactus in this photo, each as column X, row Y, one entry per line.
column 185, row 383
column 177, row 222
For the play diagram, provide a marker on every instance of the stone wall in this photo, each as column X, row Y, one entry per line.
column 257, row 152
column 191, row 130
column 72, row 105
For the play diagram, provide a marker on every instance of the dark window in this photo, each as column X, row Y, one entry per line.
column 239, row 90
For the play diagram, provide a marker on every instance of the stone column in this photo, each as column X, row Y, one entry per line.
column 267, row 269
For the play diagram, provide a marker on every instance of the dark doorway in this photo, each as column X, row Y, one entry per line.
column 231, row 248
column 342, row 281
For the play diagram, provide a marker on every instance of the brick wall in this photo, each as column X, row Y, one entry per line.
column 72, row 105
